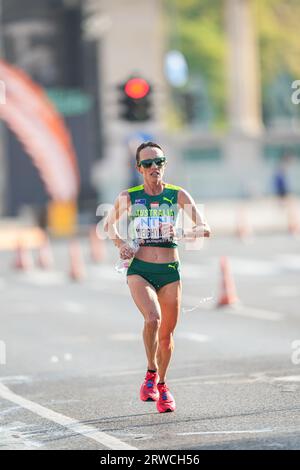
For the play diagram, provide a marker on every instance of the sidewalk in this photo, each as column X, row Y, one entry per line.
column 263, row 216
column 13, row 230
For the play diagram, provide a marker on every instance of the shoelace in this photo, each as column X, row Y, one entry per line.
column 150, row 380
column 164, row 392
column 149, row 384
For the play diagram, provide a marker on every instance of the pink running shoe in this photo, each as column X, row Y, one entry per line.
column 166, row 401
column 148, row 391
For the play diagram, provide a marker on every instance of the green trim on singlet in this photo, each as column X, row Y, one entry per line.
column 172, row 186
column 141, row 186
column 136, row 188
column 150, row 210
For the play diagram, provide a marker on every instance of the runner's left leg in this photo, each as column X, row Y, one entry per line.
column 169, row 297
column 145, row 298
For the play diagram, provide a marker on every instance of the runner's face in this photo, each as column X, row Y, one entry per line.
column 153, row 173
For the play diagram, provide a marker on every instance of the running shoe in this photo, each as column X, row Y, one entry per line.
column 166, row 401
column 149, row 390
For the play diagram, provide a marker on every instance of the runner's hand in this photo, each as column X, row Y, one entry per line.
column 206, row 231
column 202, row 230
column 167, row 230
column 126, row 251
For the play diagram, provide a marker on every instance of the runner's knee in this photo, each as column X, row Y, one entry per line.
column 152, row 320
column 166, row 341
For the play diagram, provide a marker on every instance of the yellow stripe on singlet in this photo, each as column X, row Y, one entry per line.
column 135, row 188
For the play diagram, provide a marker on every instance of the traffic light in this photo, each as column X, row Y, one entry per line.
column 189, row 104
column 135, row 100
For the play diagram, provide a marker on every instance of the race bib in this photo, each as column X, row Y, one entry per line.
column 148, row 228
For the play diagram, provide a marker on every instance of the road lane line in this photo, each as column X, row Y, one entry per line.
column 12, row 437
column 203, row 433
column 287, row 378
column 257, row 313
column 88, row 432
column 16, row 379
column 125, row 337
column 239, row 310
column 193, row 337
column 185, row 379
column 285, row 291
column 183, row 335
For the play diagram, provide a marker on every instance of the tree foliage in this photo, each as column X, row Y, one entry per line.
column 197, row 28
column 277, row 23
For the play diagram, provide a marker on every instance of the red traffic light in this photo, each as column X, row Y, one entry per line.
column 136, row 88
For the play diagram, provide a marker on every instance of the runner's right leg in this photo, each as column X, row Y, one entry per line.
column 145, row 298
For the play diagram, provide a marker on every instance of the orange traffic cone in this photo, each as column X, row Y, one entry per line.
column 97, row 246
column 228, row 293
column 23, row 260
column 293, row 218
column 45, row 256
column 77, row 271
column 244, row 230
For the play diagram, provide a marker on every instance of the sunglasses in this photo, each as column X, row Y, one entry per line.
column 159, row 162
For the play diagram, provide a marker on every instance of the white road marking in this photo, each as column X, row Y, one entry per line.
column 238, row 309
column 252, row 312
column 193, row 271
column 54, row 359
column 125, row 337
column 238, row 378
column 287, row 378
column 73, row 307
column 26, row 307
column 122, row 373
column 192, row 300
column 106, row 272
column 289, row 262
column 183, row 380
column 285, row 291
column 70, row 340
column 193, row 337
column 11, row 409
column 68, row 357
column 253, row 267
column 290, row 388
column 203, row 433
column 71, row 424
column 121, row 290
column 16, row 379
column 137, row 337
column 12, row 438
column 40, row 278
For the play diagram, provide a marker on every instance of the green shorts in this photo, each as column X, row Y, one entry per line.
column 158, row 274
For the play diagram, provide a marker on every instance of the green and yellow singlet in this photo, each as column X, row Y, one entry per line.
column 148, row 212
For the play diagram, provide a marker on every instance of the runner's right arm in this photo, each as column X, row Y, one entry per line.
column 121, row 206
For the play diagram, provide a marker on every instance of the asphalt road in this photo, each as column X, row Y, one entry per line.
column 72, row 358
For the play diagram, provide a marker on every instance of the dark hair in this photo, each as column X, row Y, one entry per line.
column 143, row 146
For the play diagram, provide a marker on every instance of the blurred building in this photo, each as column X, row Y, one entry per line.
column 46, row 40
column 81, row 51
column 133, row 43
column 240, row 162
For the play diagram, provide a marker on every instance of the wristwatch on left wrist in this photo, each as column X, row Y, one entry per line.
column 179, row 233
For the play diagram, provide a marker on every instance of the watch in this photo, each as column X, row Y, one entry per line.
column 179, row 232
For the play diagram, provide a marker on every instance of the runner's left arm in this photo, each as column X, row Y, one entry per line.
column 200, row 227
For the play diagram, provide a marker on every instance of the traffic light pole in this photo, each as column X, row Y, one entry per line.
column 243, row 143
column 3, row 171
